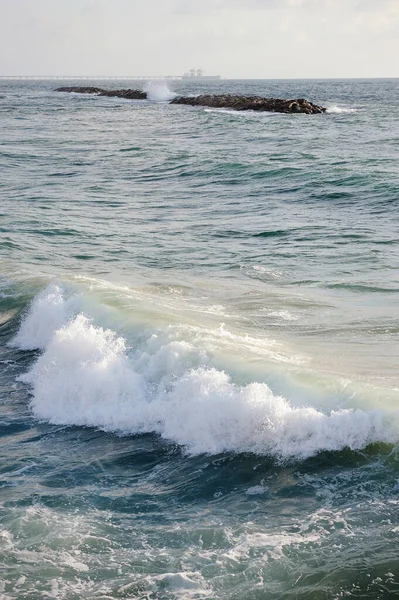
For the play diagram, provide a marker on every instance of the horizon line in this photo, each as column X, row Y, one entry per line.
column 180, row 77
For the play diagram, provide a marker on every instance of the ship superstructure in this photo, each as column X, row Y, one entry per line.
column 198, row 75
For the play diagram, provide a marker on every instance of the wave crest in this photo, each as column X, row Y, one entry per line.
column 88, row 376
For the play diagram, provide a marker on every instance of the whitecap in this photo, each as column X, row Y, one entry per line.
column 88, row 376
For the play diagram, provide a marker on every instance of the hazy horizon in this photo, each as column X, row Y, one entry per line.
column 178, row 78
column 237, row 39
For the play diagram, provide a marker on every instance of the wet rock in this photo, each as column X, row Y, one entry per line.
column 259, row 103
column 128, row 94
column 80, row 90
column 299, row 105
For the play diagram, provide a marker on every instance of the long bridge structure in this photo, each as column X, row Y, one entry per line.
column 91, row 77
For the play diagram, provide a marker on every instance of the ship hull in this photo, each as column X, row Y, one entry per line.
column 201, row 78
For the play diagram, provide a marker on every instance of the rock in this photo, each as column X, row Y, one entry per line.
column 128, row 94
column 80, row 90
column 299, row 105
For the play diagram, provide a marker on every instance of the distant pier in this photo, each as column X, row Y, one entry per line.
column 92, row 77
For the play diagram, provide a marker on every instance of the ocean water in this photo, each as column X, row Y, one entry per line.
column 199, row 348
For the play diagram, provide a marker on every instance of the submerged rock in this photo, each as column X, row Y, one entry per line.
column 299, row 105
column 128, row 94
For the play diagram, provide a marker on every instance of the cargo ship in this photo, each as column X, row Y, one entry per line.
column 198, row 75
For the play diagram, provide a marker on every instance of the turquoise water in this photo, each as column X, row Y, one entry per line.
column 199, row 344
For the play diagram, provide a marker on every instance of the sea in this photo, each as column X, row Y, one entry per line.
column 199, row 319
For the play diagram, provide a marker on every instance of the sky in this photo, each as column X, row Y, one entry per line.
column 232, row 38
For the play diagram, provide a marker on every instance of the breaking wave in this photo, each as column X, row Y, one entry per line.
column 89, row 376
column 158, row 91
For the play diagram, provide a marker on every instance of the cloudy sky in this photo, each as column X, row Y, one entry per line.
column 233, row 38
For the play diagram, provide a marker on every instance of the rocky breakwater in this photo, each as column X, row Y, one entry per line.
column 300, row 105
column 259, row 103
column 127, row 94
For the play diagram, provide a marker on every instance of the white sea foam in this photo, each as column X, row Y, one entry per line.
column 88, row 376
column 49, row 311
column 270, row 545
column 158, row 91
column 181, row 585
column 341, row 109
column 241, row 114
column 256, row 490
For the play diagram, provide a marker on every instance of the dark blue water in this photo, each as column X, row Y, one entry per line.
column 198, row 344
